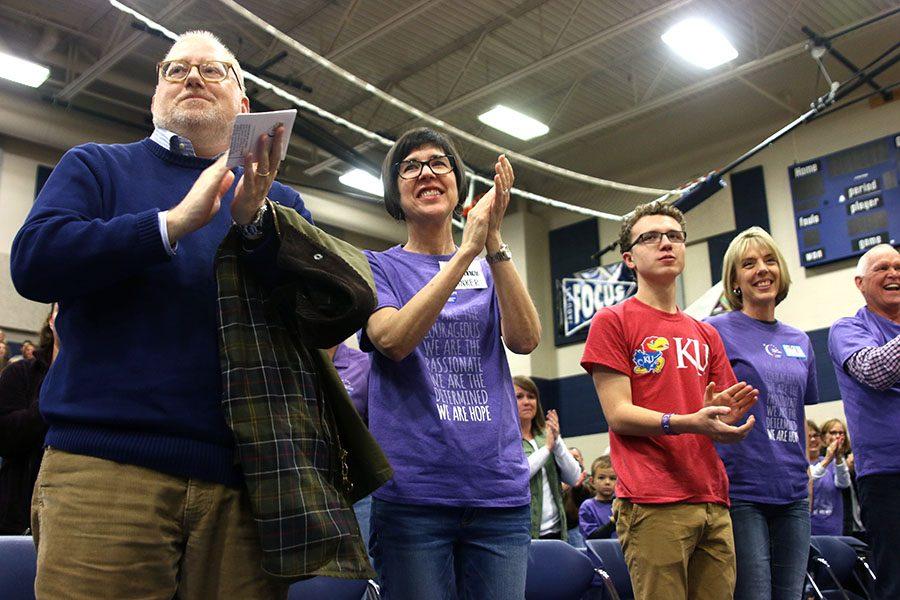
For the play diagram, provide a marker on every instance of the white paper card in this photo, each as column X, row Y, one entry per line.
column 473, row 279
column 249, row 126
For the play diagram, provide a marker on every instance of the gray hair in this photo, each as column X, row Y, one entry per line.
column 863, row 265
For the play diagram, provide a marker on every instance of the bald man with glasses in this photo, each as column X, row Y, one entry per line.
column 140, row 495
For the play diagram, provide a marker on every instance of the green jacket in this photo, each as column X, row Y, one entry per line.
column 305, row 452
column 537, row 490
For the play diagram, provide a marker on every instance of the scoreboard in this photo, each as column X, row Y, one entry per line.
column 847, row 202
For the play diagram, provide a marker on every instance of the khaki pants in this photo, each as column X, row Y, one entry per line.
column 109, row 530
column 677, row 551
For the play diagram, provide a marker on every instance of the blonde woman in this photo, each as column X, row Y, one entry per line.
column 768, row 470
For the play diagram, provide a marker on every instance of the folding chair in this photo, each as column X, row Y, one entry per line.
column 609, row 554
column 557, row 571
column 832, row 570
column 333, row 589
column 863, row 554
column 18, row 566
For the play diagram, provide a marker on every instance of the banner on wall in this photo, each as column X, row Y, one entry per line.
column 580, row 296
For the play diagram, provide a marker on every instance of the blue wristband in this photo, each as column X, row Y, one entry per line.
column 666, row 426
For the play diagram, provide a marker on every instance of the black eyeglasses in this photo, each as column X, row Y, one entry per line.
column 411, row 168
column 654, row 237
column 214, row 71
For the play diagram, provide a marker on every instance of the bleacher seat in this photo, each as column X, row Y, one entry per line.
column 833, row 568
column 18, row 565
column 557, row 571
column 331, row 588
column 609, row 554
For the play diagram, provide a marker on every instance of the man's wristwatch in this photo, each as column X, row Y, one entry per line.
column 254, row 229
column 500, row 255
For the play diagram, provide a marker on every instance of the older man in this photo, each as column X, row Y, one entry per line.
column 865, row 349
column 139, row 495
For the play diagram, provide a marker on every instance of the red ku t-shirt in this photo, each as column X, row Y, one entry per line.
column 670, row 359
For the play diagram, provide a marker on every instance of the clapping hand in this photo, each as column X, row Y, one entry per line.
column 739, row 398
column 552, row 429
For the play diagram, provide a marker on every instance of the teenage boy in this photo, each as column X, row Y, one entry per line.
column 667, row 391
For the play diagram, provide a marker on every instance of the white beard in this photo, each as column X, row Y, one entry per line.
column 211, row 124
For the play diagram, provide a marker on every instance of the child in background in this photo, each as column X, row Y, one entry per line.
column 595, row 515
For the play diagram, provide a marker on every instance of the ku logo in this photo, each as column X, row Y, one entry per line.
column 649, row 357
column 690, row 351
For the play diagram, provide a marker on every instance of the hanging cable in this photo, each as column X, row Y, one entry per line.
column 413, row 111
column 300, row 103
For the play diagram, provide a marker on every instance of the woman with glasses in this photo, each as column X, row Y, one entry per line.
column 767, row 471
column 832, row 479
column 441, row 400
column 836, row 442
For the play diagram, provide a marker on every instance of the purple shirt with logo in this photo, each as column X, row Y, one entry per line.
column 446, row 415
column 353, row 368
column 873, row 416
column 769, row 466
column 827, row 516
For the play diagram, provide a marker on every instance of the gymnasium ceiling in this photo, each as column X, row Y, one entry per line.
column 615, row 98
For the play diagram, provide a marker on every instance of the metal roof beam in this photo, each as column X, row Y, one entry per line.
column 556, row 57
column 117, row 53
column 685, row 92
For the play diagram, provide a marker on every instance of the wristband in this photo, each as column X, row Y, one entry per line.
column 666, row 426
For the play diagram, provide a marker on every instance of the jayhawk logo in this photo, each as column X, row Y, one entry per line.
column 649, row 357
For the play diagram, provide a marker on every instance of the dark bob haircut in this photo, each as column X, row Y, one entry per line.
column 408, row 142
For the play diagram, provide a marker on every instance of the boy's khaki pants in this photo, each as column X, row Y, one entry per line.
column 677, row 551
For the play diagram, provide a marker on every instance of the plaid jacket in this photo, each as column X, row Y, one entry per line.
column 305, row 453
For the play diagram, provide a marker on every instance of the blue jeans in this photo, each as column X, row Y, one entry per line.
column 432, row 551
column 879, row 496
column 771, row 543
column 363, row 511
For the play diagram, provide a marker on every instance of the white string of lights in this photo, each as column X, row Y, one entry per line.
column 300, row 103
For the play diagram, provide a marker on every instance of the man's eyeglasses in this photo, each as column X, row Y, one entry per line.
column 654, row 237
column 411, row 169
column 214, row 71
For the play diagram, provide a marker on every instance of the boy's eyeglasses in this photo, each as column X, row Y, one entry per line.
column 655, row 237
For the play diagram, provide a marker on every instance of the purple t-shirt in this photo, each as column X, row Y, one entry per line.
column 873, row 417
column 769, row 466
column 446, row 415
column 827, row 516
column 353, row 368
column 592, row 515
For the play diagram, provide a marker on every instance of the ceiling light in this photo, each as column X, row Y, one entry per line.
column 513, row 122
column 22, row 71
column 699, row 42
column 362, row 180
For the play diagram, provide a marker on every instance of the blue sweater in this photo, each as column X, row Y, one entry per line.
column 137, row 379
